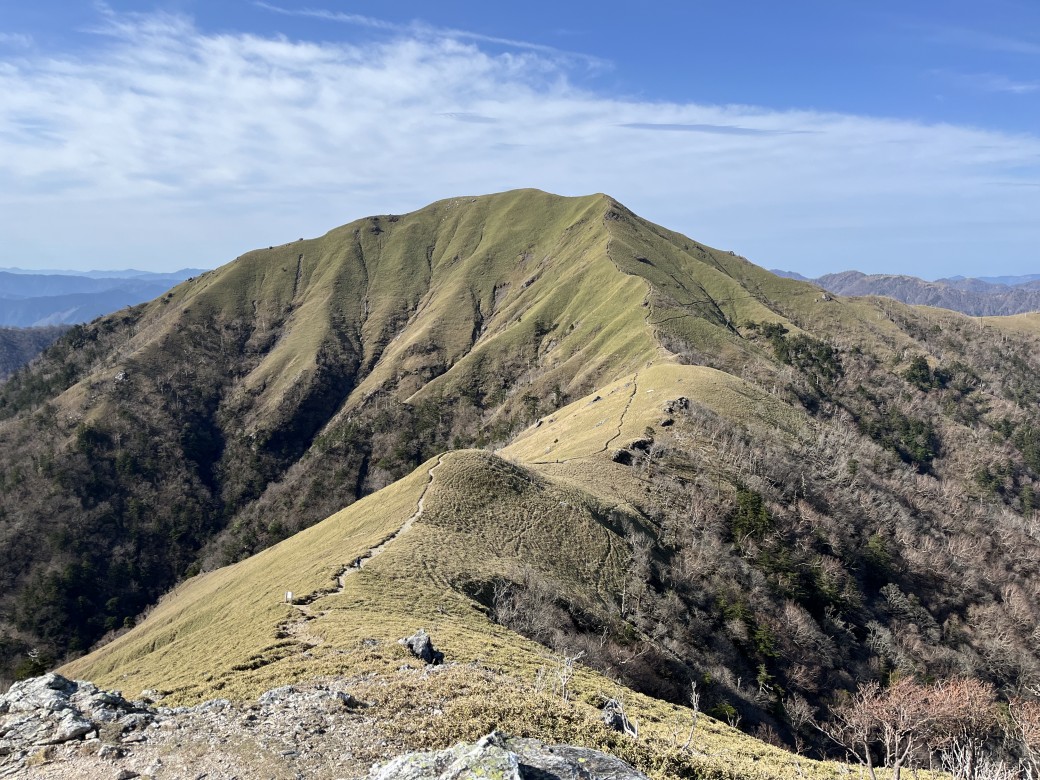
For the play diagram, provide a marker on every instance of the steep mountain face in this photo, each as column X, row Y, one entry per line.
column 256, row 399
column 706, row 474
column 997, row 296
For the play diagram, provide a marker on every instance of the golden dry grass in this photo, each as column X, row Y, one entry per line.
column 1026, row 324
column 620, row 412
column 576, row 292
column 218, row 633
column 223, row 633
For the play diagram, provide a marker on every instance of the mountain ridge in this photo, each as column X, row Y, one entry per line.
column 178, row 275
column 778, row 493
column 981, row 296
column 34, row 299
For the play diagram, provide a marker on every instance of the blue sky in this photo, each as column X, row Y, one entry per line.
column 814, row 136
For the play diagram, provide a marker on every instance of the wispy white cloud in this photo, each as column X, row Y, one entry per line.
column 467, row 116
column 332, row 16
column 986, row 41
column 990, row 82
column 168, row 144
column 15, row 40
column 995, row 83
column 421, row 29
column 716, row 129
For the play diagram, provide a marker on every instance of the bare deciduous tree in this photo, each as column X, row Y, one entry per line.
column 965, row 719
column 896, row 722
column 1025, row 717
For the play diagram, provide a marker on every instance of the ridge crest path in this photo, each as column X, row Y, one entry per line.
column 634, row 382
column 297, row 628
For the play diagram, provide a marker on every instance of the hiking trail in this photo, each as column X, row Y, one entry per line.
column 297, row 627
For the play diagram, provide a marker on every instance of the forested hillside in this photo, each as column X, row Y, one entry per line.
column 20, row 345
column 703, row 474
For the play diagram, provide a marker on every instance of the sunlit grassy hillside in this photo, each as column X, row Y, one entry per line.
column 541, row 427
column 254, row 400
column 483, row 518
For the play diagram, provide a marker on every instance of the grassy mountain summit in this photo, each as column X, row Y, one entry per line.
column 260, row 397
column 539, row 422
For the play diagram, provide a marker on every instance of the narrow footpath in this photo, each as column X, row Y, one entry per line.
column 297, row 628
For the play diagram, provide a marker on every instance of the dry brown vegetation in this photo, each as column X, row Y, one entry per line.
column 774, row 496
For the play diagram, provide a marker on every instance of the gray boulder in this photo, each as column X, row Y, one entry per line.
column 499, row 756
column 276, row 695
column 51, row 710
column 422, row 647
column 71, row 726
column 51, row 692
column 614, row 718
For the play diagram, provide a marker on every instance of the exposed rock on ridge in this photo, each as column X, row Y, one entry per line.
column 422, row 647
column 52, row 727
column 499, row 756
column 52, row 710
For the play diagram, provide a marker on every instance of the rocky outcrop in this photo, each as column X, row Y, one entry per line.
column 615, row 719
column 51, row 710
column 503, row 757
column 53, row 728
column 422, row 647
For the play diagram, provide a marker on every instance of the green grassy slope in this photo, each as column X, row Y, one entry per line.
column 229, row 633
column 685, row 467
column 463, row 535
column 306, row 350
column 1023, row 323
column 553, row 508
column 620, row 412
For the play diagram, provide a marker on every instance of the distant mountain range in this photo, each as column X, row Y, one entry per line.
column 125, row 273
column 980, row 296
column 34, row 299
column 1010, row 281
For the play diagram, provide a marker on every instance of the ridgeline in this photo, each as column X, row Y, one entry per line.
column 542, row 427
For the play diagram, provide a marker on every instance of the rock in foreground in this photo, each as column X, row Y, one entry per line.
column 51, row 710
column 53, row 728
column 422, row 647
column 503, row 757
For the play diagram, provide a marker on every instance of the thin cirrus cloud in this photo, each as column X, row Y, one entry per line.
column 996, row 83
column 989, row 82
column 701, row 128
column 985, row 41
column 333, row 16
column 15, row 40
column 170, row 146
column 430, row 31
column 468, row 116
